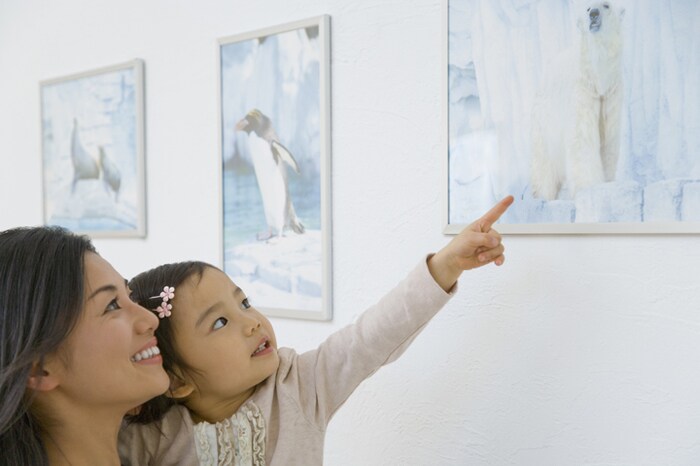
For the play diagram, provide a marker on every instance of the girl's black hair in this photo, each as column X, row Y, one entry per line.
column 42, row 278
column 143, row 287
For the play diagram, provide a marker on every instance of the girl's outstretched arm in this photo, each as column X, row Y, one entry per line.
column 323, row 378
column 476, row 245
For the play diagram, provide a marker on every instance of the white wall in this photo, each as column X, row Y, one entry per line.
column 580, row 350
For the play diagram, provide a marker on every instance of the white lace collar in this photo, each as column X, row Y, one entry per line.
column 238, row 440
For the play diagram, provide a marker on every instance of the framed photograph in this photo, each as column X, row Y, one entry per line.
column 588, row 112
column 275, row 149
column 92, row 131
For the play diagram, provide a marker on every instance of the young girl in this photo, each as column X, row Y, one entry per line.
column 235, row 398
column 75, row 352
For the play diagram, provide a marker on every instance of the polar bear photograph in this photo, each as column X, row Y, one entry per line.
column 576, row 113
column 585, row 110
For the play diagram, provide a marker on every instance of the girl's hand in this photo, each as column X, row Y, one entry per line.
column 476, row 245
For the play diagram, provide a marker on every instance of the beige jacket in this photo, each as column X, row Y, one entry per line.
column 297, row 401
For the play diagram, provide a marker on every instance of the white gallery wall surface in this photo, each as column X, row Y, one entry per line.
column 579, row 350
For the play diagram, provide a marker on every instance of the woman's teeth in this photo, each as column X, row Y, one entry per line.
column 145, row 354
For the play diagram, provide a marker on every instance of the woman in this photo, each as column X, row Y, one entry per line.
column 69, row 340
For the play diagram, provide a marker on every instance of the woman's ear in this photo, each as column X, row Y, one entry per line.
column 179, row 389
column 42, row 380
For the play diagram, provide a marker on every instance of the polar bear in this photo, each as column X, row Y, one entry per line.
column 576, row 114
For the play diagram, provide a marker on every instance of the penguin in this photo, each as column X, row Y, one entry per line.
column 111, row 176
column 269, row 158
column 85, row 167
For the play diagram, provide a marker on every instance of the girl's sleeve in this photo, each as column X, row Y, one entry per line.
column 326, row 376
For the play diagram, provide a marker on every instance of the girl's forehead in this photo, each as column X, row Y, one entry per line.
column 212, row 281
column 202, row 292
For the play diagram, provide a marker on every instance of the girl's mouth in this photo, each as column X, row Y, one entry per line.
column 262, row 348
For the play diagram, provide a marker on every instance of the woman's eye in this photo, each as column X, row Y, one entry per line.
column 220, row 322
column 245, row 304
column 113, row 306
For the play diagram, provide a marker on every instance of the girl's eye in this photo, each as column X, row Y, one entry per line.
column 219, row 323
column 245, row 304
column 113, row 306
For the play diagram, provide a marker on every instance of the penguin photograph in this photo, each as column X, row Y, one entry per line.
column 92, row 151
column 276, row 166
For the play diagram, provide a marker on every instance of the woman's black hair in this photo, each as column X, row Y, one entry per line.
column 42, row 278
column 144, row 287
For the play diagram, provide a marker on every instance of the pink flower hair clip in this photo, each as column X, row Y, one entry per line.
column 164, row 308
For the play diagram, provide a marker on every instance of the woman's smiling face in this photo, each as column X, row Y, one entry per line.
column 98, row 364
column 230, row 346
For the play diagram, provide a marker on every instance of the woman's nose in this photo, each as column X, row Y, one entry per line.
column 145, row 321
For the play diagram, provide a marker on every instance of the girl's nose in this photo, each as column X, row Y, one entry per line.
column 252, row 325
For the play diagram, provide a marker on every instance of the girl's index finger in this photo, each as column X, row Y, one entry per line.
column 490, row 217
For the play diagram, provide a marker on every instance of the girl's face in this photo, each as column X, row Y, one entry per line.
column 97, row 366
column 231, row 346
